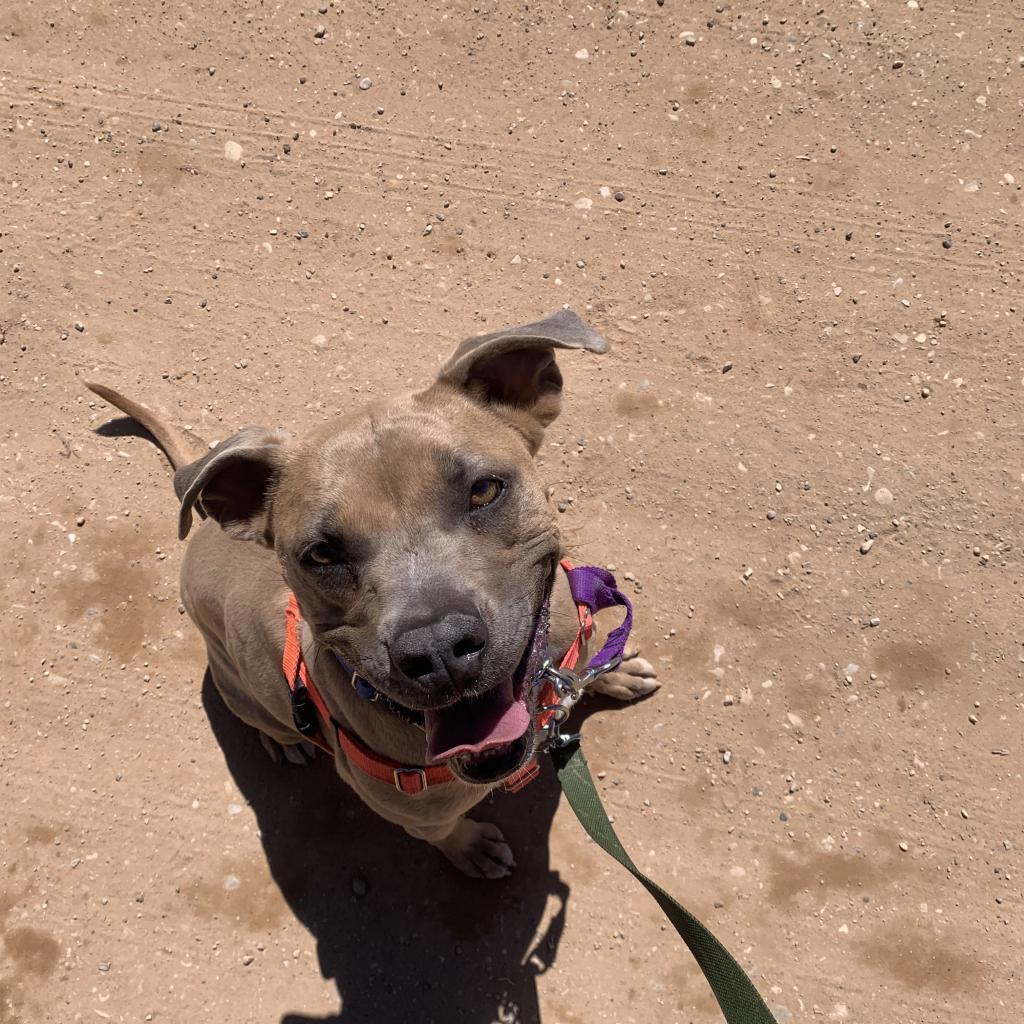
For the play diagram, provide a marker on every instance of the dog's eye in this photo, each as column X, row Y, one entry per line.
column 485, row 492
column 323, row 553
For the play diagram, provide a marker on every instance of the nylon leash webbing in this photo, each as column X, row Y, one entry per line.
column 739, row 999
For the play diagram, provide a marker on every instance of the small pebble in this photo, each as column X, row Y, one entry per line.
column 771, row 514
column 947, row 243
column 359, row 886
column 867, row 546
column 157, row 126
column 726, row 756
column 79, row 326
column 904, row 847
column 247, row 959
column 365, row 83
column 926, row 392
column 874, row 621
column 973, row 719
column 619, row 197
column 80, row 521
column 727, row 368
column 747, row 573
column 320, row 31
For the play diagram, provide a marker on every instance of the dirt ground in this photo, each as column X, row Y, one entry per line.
column 800, row 228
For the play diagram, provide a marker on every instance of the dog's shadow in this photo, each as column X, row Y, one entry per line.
column 404, row 936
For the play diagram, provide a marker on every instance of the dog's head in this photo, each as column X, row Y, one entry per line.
column 417, row 535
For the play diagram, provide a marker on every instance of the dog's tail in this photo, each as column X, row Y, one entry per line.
column 181, row 446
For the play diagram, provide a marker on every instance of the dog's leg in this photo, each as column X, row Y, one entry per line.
column 635, row 677
column 476, row 848
column 294, row 753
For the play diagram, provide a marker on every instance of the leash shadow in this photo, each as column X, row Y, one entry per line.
column 403, row 935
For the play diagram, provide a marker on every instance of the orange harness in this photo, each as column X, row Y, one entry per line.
column 409, row 779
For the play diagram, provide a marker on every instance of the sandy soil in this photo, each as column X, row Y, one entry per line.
column 812, row 283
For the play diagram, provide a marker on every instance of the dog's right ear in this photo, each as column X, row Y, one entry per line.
column 234, row 484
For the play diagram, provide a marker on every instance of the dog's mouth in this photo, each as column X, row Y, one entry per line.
column 483, row 738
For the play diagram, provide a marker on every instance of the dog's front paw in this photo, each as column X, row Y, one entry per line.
column 478, row 849
column 635, row 677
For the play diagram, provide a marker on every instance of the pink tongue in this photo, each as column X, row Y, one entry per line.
column 473, row 726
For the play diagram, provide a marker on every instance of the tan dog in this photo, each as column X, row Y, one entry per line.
column 420, row 545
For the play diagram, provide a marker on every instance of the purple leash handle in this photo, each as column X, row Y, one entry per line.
column 597, row 589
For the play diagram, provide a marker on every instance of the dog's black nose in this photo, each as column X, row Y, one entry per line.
column 443, row 652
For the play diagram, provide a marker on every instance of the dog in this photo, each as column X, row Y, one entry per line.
column 419, row 543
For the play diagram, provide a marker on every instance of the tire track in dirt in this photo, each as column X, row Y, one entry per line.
column 833, row 214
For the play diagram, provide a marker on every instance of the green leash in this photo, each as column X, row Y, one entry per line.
column 740, row 1001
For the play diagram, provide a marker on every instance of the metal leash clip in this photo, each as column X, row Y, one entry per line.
column 569, row 686
column 599, row 670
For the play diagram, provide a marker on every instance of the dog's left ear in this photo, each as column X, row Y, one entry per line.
column 514, row 370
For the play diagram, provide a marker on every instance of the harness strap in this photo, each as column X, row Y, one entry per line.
column 548, row 696
column 410, row 780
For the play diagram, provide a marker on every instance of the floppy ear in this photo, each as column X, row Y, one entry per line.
column 234, row 484
column 515, row 369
